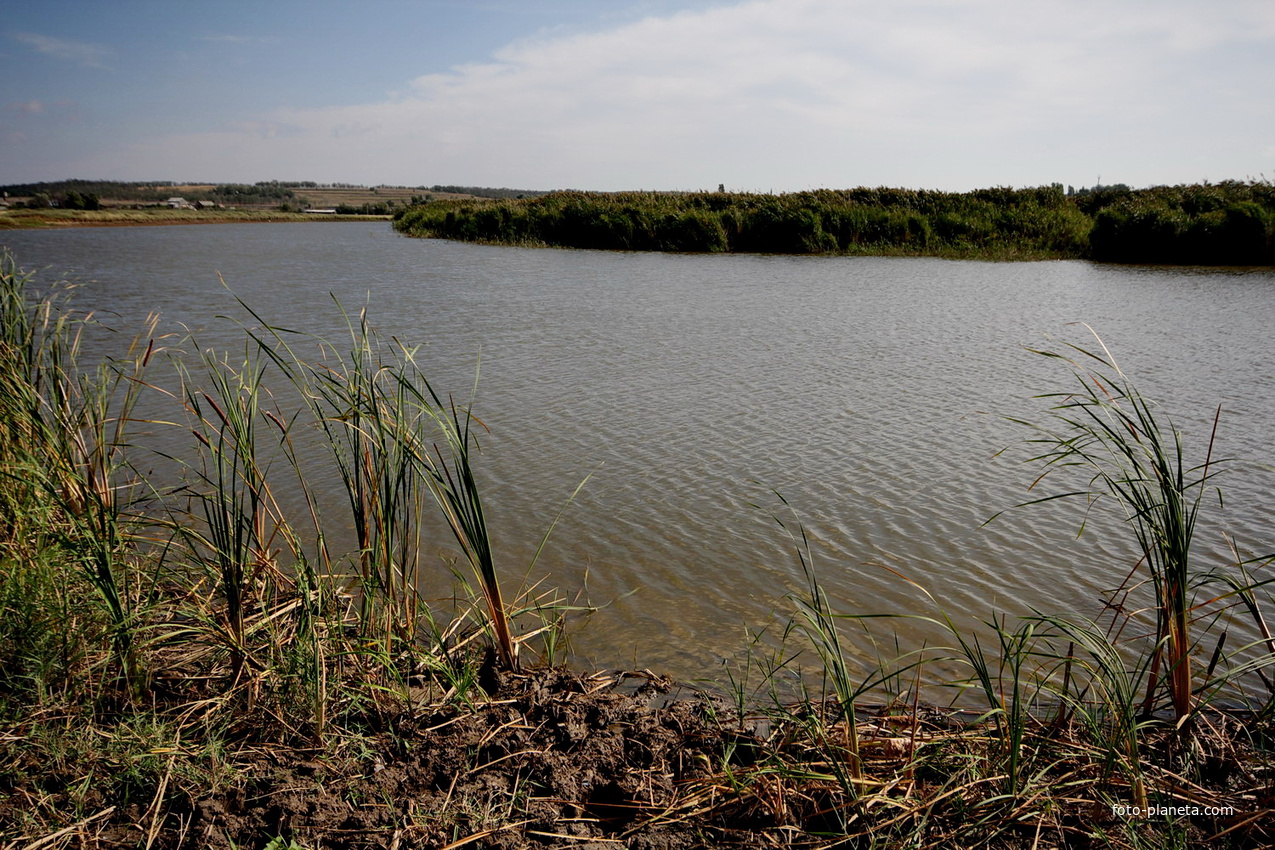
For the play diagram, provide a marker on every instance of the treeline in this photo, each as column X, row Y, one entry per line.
column 370, row 208
column 152, row 190
column 67, row 193
column 71, row 200
column 1226, row 223
column 264, row 193
column 487, row 192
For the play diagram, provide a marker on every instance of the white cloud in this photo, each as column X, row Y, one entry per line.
column 39, row 109
column 81, row 53
column 30, row 107
column 239, row 39
column 789, row 94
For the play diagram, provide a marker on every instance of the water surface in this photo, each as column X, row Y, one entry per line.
column 869, row 392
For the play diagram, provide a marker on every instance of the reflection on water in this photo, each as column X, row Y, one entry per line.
column 870, row 393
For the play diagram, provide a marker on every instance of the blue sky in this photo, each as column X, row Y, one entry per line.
column 661, row 94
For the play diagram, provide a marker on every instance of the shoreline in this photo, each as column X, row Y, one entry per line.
column 547, row 755
column 57, row 219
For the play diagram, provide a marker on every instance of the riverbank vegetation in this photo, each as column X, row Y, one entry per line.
column 186, row 663
column 1229, row 223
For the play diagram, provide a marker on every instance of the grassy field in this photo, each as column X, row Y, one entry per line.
column 184, row 664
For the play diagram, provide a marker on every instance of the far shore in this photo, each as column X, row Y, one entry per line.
column 55, row 218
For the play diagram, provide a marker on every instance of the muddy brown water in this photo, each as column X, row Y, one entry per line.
column 870, row 392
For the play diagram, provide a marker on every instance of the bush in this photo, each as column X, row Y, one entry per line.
column 695, row 230
column 1222, row 223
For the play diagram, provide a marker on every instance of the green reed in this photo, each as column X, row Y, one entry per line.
column 1102, row 689
column 1112, row 433
column 1228, row 223
column 1009, row 679
column 997, row 223
column 397, row 446
column 366, row 408
column 65, row 435
column 456, row 491
column 817, row 623
column 241, row 524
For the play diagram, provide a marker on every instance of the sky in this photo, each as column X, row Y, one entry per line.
column 766, row 95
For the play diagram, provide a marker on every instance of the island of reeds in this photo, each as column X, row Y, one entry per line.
column 184, row 663
column 1229, row 223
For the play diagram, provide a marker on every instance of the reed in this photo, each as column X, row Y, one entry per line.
column 232, row 490
column 1112, row 432
column 1003, row 223
column 1230, row 223
column 1104, row 694
column 65, row 436
column 369, row 412
column 455, row 488
column 397, row 444
column 1009, row 679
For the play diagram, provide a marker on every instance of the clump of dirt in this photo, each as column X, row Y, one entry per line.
column 552, row 759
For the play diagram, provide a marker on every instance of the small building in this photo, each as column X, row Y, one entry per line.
column 178, row 204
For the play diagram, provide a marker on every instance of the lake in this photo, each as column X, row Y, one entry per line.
column 871, row 393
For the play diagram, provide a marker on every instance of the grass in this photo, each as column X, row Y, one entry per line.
column 1109, row 431
column 185, row 663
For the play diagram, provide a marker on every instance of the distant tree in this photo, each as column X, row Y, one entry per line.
column 369, row 208
column 486, row 192
column 264, row 193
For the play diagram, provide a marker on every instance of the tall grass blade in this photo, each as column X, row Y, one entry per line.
column 65, row 438
column 1110, row 430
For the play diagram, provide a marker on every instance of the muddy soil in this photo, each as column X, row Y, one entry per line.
column 553, row 759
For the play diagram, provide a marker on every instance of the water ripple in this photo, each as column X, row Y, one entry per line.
column 870, row 393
